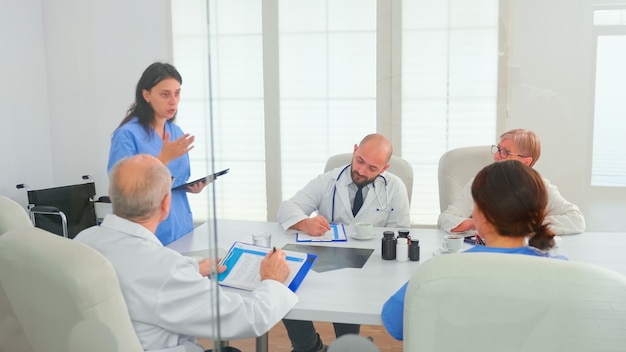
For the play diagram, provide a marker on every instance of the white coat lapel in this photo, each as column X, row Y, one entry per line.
column 342, row 191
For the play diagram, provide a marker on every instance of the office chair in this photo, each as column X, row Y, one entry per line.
column 506, row 302
column 65, row 210
column 397, row 166
column 55, row 293
column 456, row 168
column 12, row 215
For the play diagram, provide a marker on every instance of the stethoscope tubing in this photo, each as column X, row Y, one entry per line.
column 382, row 208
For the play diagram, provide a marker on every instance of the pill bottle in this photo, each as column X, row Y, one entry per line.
column 414, row 250
column 402, row 249
column 388, row 245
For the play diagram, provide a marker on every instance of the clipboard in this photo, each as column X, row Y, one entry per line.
column 337, row 233
column 208, row 179
column 243, row 262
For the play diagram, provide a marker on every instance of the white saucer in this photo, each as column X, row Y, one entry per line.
column 441, row 251
column 353, row 235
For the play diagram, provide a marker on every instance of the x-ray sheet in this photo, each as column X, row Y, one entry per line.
column 333, row 258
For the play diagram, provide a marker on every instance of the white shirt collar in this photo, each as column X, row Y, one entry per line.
column 131, row 228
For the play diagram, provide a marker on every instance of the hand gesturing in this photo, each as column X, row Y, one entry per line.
column 174, row 149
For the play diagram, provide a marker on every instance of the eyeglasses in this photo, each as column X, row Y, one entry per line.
column 504, row 153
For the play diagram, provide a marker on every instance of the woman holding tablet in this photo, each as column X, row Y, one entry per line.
column 149, row 128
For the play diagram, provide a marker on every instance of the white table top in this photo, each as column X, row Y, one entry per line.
column 356, row 296
column 605, row 249
column 347, row 295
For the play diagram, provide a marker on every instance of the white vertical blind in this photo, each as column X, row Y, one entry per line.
column 326, row 62
column 327, row 83
column 449, row 75
column 608, row 163
column 237, row 101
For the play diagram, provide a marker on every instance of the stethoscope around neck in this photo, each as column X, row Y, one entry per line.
column 381, row 206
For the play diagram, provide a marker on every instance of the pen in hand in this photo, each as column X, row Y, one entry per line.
column 274, row 250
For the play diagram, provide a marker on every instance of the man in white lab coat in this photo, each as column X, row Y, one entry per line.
column 169, row 298
column 334, row 195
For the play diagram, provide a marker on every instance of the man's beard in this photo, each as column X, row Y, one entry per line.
column 364, row 182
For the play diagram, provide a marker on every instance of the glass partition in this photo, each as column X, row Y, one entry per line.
column 192, row 26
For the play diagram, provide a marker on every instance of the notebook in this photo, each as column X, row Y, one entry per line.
column 243, row 262
column 337, row 233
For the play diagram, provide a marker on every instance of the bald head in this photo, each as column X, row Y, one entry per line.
column 138, row 186
column 378, row 145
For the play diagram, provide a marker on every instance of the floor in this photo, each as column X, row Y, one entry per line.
column 279, row 342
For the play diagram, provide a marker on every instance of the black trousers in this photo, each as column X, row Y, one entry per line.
column 304, row 338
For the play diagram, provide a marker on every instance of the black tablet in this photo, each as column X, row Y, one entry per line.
column 207, row 179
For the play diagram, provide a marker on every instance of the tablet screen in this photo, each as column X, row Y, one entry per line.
column 207, row 179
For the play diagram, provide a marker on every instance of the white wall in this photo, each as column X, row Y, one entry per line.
column 551, row 92
column 69, row 68
column 69, row 74
column 25, row 142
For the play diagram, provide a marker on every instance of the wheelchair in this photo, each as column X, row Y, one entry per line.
column 65, row 210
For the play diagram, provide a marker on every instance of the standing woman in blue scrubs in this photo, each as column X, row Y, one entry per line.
column 149, row 128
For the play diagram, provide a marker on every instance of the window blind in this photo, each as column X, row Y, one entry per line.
column 325, row 97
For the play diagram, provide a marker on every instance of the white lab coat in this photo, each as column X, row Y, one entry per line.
column 169, row 302
column 383, row 206
column 564, row 217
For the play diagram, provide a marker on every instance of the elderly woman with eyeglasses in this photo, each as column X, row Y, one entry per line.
column 562, row 217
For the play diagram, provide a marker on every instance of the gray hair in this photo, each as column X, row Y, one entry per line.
column 138, row 195
column 527, row 142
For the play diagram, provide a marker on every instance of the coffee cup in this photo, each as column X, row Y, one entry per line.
column 262, row 239
column 363, row 230
column 452, row 243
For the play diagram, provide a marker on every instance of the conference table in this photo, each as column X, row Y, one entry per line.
column 356, row 295
column 604, row 249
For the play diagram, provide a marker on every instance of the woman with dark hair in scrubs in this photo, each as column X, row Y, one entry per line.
column 149, row 128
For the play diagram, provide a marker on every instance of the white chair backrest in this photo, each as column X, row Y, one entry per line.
column 12, row 215
column 456, row 168
column 50, row 286
column 505, row 302
column 397, row 166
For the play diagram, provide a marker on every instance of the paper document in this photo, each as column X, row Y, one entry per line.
column 337, row 232
column 243, row 262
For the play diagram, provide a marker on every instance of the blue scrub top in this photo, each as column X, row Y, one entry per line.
column 393, row 310
column 131, row 139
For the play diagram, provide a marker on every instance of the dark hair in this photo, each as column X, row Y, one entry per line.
column 151, row 76
column 513, row 198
